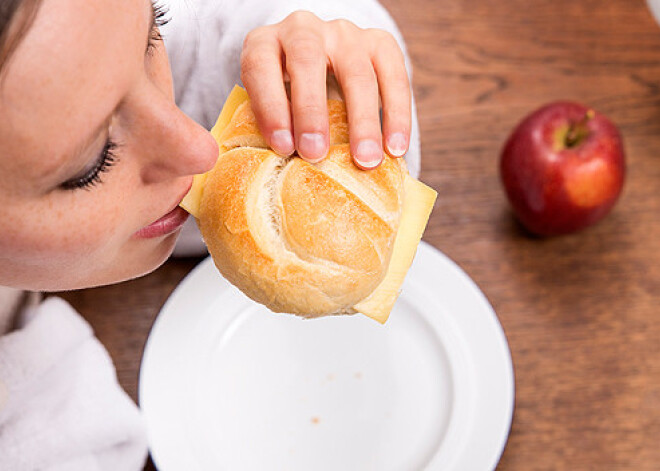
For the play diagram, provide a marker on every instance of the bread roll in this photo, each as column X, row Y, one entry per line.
column 307, row 239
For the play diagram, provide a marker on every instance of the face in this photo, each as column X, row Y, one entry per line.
column 94, row 154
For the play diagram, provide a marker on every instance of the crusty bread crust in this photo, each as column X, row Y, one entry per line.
column 307, row 239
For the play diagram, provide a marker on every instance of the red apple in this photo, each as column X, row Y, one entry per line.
column 562, row 168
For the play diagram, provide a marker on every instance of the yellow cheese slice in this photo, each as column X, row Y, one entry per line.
column 417, row 205
column 192, row 199
column 236, row 97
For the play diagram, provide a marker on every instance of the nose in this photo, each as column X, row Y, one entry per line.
column 171, row 144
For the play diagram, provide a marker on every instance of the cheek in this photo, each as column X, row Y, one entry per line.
column 83, row 238
column 64, row 231
column 74, row 228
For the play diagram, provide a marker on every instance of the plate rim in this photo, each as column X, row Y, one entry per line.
column 509, row 383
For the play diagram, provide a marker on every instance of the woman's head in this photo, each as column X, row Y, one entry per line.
column 93, row 149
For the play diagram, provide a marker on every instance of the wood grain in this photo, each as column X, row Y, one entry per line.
column 581, row 312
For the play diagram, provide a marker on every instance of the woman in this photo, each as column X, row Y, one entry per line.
column 95, row 154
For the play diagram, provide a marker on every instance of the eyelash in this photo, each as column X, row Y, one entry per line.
column 107, row 159
column 159, row 20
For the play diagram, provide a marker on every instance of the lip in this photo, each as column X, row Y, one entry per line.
column 167, row 224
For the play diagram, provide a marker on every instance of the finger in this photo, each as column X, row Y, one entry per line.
column 357, row 78
column 394, row 86
column 306, row 64
column 261, row 73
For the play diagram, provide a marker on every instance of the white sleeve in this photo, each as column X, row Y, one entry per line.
column 204, row 39
column 61, row 406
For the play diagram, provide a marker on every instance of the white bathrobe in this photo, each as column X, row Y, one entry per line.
column 61, row 407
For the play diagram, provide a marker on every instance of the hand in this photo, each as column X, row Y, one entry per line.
column 366, row 63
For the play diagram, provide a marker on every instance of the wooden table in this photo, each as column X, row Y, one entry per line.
column 581, row 312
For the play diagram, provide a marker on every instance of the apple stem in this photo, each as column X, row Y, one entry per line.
column 577, row 132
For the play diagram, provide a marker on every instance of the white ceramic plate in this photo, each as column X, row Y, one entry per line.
column 227, row 385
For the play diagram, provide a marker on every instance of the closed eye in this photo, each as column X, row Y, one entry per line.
column 92, row 175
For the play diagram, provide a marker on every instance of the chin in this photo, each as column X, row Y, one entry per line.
column 151, row 255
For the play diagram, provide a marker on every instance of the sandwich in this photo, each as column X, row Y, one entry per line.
column 307, row 239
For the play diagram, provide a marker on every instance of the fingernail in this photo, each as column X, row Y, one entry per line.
column 282, row 142
column 312, row 146
column 396, row 144
column 368, row 153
